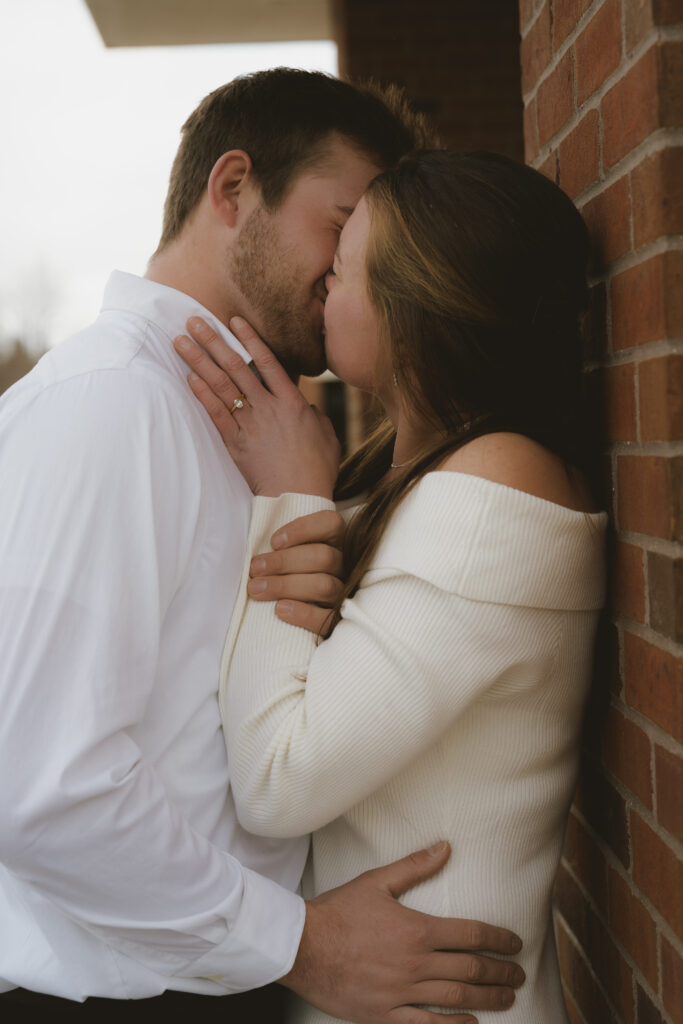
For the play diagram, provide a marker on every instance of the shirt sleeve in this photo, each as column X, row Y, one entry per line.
column 313, row 728
column 100, row 511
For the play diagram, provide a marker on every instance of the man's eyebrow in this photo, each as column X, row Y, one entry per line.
column 346, row 210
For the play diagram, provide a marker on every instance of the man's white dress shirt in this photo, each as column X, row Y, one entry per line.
column 123, row 869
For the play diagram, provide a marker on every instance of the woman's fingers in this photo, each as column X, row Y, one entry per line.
column 326, row 527
column 216, row 409
column 273, row 375
column 202, row 364
column 306, row 616
column 302, row 558
column 224, row 357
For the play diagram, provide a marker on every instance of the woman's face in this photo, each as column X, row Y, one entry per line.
column 351, row 327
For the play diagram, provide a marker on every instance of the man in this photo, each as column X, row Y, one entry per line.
column 124, row 873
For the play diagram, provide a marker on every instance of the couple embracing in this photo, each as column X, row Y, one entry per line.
column 412, row 698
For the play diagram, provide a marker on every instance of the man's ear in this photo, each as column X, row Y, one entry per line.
column 228, row 182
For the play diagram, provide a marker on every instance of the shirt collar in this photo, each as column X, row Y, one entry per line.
column 165, row 307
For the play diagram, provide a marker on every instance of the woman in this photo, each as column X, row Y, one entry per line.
column 446, row 701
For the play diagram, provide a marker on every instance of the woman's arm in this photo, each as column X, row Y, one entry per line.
column 314, row 728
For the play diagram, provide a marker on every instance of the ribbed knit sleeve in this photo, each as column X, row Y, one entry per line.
column 314, row 729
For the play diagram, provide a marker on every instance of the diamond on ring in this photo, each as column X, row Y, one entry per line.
column 237, row 404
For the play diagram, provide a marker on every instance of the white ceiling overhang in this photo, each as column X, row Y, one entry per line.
column 185, row 22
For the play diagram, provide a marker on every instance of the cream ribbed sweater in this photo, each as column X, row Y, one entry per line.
column 446, row 705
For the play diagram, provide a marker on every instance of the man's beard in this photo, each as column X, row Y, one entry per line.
column 268, row 277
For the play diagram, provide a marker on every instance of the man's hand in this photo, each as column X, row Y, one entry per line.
column 366, row 958
column 304, row 573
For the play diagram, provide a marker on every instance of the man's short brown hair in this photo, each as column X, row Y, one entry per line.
column 282, row 118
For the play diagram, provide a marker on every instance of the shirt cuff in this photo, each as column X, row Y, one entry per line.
column 263, row 942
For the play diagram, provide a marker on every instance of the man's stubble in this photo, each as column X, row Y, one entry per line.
column 268, row 276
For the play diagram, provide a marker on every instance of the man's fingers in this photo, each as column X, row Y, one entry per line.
column 306, row 616
column 457, row 995
column 319, row 587
column 417, row 1015
column 302, row 558
column 454, row 933
column 326, row 527
column 475, row 969
column 401, row 875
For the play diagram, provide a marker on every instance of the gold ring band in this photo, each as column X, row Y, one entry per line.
column 238, row 403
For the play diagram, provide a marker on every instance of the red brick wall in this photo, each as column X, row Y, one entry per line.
column 602, row 84
column 458, row 60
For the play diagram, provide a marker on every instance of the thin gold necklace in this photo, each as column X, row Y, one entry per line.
column 466, row 427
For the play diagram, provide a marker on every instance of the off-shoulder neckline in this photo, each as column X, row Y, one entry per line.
column 507, row 489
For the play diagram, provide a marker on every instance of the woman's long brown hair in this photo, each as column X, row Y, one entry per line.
column 476, row 268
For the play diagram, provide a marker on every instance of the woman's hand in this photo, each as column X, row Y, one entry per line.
column 305, row 572
column 278, row 441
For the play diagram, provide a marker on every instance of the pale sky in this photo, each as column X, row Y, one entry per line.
column 88, row 138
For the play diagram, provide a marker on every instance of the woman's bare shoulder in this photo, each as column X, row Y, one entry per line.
column 516, row 461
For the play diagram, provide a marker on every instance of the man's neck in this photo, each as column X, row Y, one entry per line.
column 186, row 268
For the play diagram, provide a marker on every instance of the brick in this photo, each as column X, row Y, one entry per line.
column 580, row 981
column 566, row 16
column 647, row 1011
column 635, row 93
column 608, row 217
column 605, row 811
column 556, row 99
column 530, row 132
column 653, row 684
column 632, row 926
column 670, row 83
column 657, row 872
column 579, row 156
column 583, row 856
column 652, row 94
column 536, row 50
column 669, row 783
column 665, row 585
column 650, row 495
column 598, row 50
column 672, row 982
column 620, row 402
column 641, row 17
column 647, row 301
column 660, row 389
column 526, row 13
column 601, row 952
column 657, row 197
column 627, row 755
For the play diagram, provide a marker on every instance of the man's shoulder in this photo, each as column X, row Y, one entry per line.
column 110, row 343
column 104, row 360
